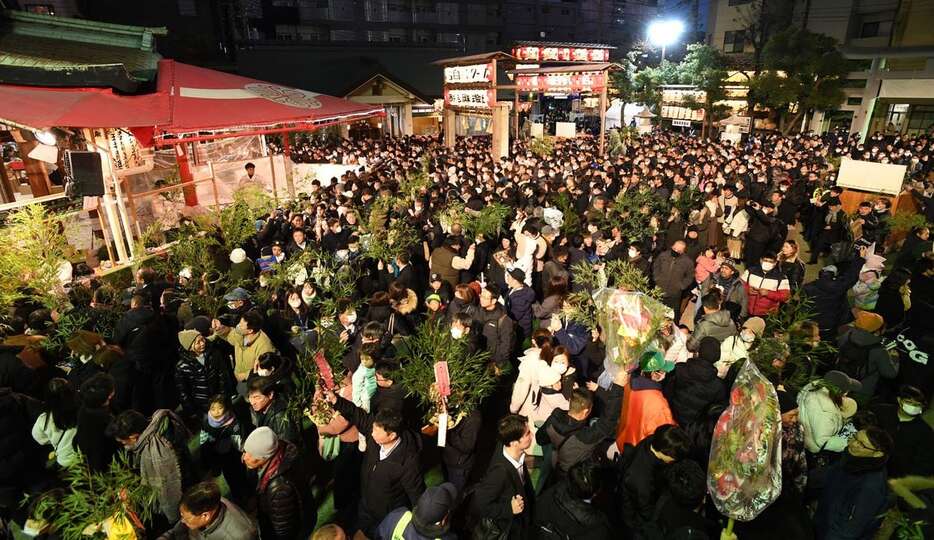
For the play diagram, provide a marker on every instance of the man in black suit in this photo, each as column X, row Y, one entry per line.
column 390, row 475
column 505, row 495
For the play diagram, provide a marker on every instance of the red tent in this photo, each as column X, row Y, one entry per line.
column 207, row 100
column 34, row 107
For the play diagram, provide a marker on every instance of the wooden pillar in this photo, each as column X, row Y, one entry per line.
column 500, row 147
column 603, row 120
column 7, row 191
column 515, row 110
column 184, row 173
column 450, row 131
column 36, row 174
column 287, row 152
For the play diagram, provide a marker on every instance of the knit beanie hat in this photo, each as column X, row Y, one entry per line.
column 262, row 443
column 868, row 321
column 187, row 337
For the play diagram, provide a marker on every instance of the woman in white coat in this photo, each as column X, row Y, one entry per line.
column 526, row 388
column 57, row 424
column 824, row 410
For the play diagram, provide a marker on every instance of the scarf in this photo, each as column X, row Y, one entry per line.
column 223, row 421
column 158, row 464
column 271, row 469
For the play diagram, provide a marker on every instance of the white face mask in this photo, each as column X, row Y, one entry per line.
column 633, row 253
column 263, row 281
column 231, row 305
column 307, row 298
column 767, row 266
column 747, row 335
column 457, row 333
column 352, row 318
column 560, row 367
column 295, row 303
column 264, row 372
column 911, row 410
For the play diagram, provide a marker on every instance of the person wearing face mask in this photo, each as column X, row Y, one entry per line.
column 737, row 347
column 673, row 272
column 248, row 340
column 856, row 493
column 913, row 436
column 766, row 286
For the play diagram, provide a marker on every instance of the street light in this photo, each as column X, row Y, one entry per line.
column 663, row 33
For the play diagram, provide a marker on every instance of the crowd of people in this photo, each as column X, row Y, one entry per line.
column 200, row 401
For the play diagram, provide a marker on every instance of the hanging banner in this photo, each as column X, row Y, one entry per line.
column 470, row 98
column 561, row 54
column 477, row 73
column 573, row 82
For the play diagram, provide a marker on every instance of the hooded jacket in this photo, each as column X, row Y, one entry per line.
column 717, row 325
column 821, row 419
column 863, row 357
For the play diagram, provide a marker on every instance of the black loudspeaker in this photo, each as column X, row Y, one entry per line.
column 86, row 172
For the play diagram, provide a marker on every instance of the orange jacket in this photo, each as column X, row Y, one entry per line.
column 644, row 410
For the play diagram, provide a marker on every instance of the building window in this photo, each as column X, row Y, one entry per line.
column 854, row 83
column 739, row 2
column 854, row 101
column 49, row 9
column 858, row 65
column 398, row 35
column 492, row 38
column 424, row 36
column 343, row 35
column 734, row 41
column 187, row 8
column 377, row 35
column 376, row 11
column 871, row 29
column 449, row 37
column 448, row 13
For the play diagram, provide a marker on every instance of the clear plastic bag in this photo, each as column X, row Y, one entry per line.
column 630, row 323
column 745, row 469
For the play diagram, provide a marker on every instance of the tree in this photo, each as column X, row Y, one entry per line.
column 760, row 20
column 802, row 71
column 647, row 83
column 705, row 67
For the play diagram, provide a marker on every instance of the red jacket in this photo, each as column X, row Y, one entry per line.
column 765, row 290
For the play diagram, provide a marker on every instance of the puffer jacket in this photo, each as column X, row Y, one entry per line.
column 693, row 387
column 282, row 492
column 821, row 419
column 197, row 383
column 766, row 290
column 717, row 325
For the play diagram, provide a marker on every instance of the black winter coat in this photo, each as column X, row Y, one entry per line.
column 673, row 274
column 389, row 483
column 831, row 309
column 520, row 307
column 282, row 494
column 499, row 332
column 19, row 453
column 92, row 440
column 642, row 480
column 693, row 387
column 558, row 511
column 458, row 451
column 197, row 383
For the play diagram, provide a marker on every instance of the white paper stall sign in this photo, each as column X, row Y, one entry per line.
column 469, row 98
column 476, row 73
